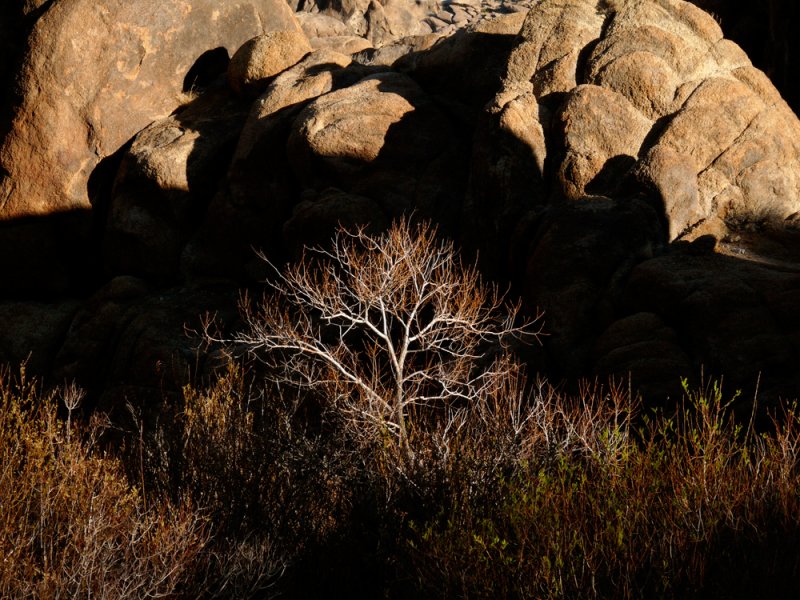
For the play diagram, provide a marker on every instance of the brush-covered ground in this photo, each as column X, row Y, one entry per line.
column 374, row 435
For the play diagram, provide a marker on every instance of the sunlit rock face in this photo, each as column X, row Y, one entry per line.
column 638, row 79
column 620, row 164
column 95, row 73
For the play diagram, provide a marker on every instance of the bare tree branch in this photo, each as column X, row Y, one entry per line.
column 386, row 326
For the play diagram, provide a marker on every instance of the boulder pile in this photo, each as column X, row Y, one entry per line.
column 619, row 163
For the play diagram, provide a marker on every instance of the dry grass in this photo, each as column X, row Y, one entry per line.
column 455, row 477
column 531, row 494
column 481, row 484
column 71, row 525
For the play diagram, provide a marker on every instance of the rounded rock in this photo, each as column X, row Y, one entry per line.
column 263, row 57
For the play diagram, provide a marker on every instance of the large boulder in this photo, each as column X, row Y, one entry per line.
column 165, row 182
column 469, row 65
column 259, row 191
column 386, row 139
column 263, row 57
column 601, row 134
column 160, row 348
column 664, row 78
column 638, row 124
column 343, row 132
column 735, row 318
column 96, row 72
column 318, row 25
column 645, row 348
column 134, row 344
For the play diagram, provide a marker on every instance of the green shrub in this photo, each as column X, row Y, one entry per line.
column 690, row 506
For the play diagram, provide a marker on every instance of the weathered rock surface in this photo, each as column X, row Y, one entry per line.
column 318, row 25
column 165, row 182
column 345, row 44
column 621, row 164
column 387, row 55
column 263, row 57
column 601, row 134
column 95, row 74
column 380, row 21
column 135, row 343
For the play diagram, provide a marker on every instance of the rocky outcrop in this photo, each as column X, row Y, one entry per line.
column 621, row 165
column 660, row 72
column 98, row 72
column 380, row 21
column 164, row 185
column 644, row 102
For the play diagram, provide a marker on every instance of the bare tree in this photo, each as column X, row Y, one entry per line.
column 388, row 327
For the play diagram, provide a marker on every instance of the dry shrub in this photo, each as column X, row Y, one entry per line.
column 404, row 355
column 71, row 525
column 395, row 335
column 268, row 486
column 387, row 443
